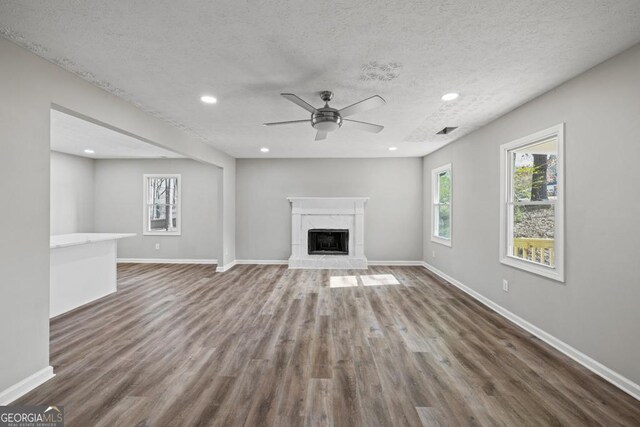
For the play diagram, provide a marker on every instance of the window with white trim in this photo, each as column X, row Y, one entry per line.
column 162, row 214
column 441, row 205
column 532, row 203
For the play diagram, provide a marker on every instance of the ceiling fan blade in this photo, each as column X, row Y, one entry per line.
column 364, row 105
column 321, row 135
column 298, row 101
column 368, row 127
column 285, row 123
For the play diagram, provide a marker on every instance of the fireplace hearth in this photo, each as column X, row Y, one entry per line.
column 328, row 242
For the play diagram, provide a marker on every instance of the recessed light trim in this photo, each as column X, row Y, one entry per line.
column 208, row 99
column 89, row 151
column 450, row 96
column 393, row 148
column 264, row 149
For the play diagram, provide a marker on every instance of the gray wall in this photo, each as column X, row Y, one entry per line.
column 119, row 203
column 393, row 216
column 30, row 86
column 71, row 194
column 597, row 310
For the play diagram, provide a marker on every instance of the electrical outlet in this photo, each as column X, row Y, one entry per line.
column 433, row 254
column 157, row 246
column 505, row 285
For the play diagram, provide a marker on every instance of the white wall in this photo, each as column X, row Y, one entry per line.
column 30, row 86
column 119, row 200
column 597, row 310
column 393, row 216
column 71, row 194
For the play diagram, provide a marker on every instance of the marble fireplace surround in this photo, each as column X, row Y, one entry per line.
column 327, row 213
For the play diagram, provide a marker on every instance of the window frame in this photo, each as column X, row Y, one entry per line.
column 506, row 223
column 146, row 204
column 435, row 204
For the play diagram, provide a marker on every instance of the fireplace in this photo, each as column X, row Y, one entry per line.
column 328, row 242
column 327, row 232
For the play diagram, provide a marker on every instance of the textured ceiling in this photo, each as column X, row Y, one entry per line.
column 162, row 55
column 72, row 135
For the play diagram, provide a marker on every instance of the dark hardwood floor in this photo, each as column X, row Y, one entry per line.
column 264, row 345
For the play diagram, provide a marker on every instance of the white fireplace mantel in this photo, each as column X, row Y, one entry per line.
column 309, row 213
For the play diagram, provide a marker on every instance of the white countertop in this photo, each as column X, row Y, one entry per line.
column 65, row 240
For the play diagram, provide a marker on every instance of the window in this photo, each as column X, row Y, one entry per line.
column 532, row 203
column 441, row 192
column 162, row 204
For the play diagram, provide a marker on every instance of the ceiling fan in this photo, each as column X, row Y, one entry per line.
column 327, row 119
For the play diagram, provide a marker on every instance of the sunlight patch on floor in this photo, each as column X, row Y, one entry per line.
column 367, row 280
column 379, row 280
column 343, row 282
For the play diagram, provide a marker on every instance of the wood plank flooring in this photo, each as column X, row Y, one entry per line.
column 263, row 345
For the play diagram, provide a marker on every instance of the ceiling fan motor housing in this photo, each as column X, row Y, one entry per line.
column 326, row 119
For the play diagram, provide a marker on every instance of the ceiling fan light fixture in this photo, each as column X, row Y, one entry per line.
column 326, row 126
column 326, row 119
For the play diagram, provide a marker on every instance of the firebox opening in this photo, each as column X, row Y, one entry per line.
column 328, row 242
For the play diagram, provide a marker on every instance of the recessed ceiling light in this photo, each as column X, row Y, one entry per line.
column 393, row 148
column 208, row 99
column 89, row 151
column 450, row 96
column 264, row 149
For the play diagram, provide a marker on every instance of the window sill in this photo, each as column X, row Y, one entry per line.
column 531, row 267
column 441, row 241
column 161, row 233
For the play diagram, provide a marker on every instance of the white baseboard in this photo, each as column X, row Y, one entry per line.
column 222, row 269
column 165, row 261
column 397, row 263
column 594, row 366
column 26, row 385
column 285, row 262
column 262, row 261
